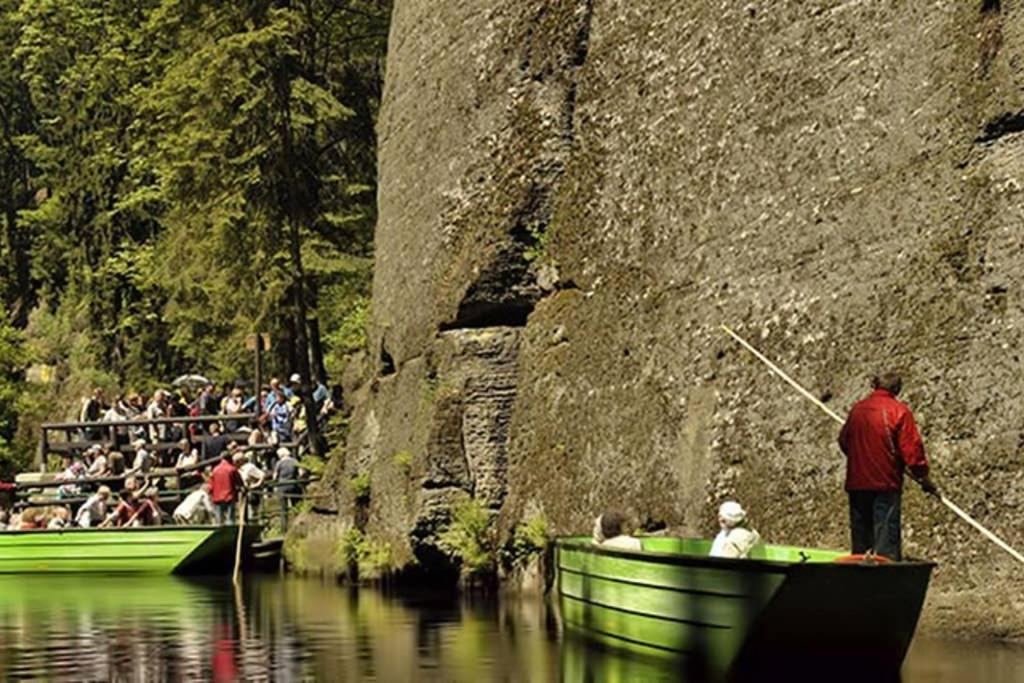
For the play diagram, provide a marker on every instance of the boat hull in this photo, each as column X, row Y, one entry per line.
column 147, row 550
column 719, row 617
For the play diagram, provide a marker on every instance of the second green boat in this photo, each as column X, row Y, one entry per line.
column 145, row 550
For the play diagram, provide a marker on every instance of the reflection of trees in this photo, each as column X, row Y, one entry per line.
column 105, row 628
column 351, row 635
column 162, row 628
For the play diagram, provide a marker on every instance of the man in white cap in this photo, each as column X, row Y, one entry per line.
column 736, row 539
column 144, row 458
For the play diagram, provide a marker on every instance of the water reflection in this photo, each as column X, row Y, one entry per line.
column 164, row 628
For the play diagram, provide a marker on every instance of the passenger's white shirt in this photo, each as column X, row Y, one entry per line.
column 188, row 508
column 187, row 459
column 98, row 466
column 251, row 474
column 735, row 543
column 93, row 511
column 623, row 542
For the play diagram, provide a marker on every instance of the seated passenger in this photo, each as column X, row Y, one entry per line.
column 31, row 518
column 73, row 469
column 124, row 513
column 197, row 508
column 60, row 518
column 116, row 463
column 94, row 510
column 97, row 463
column 149, row 513
column 608, row 532
column 736, row 539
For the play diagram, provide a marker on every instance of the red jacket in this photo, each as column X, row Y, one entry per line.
column 879, row 440
column 225, row 483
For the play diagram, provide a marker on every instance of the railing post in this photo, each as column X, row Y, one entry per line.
column 44, row 447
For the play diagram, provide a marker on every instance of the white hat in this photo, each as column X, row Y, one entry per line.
column 138, row 443
column 283, row 452
column 732, row 512
column 296, row 378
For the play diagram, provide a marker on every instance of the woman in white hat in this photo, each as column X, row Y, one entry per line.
column 736, row 539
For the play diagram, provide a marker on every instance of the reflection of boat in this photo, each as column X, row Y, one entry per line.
column 151, row 550
column 718, row 616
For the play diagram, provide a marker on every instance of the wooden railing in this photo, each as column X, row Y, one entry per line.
column 110, row 431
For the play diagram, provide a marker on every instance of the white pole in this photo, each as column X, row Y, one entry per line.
column 831, row 413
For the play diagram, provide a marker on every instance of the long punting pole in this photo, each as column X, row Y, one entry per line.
column 238, row 541
column 831, row 413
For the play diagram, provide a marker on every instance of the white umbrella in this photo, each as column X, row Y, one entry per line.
column 190, row 380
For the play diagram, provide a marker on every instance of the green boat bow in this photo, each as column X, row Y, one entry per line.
column 144, row 550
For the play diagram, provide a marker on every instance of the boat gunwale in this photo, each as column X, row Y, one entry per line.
column 133, row 530
column 748, row 564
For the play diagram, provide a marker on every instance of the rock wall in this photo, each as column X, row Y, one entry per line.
column 576, row 194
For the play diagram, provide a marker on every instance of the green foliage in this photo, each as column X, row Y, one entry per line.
column 350, row 546
column 469, row 538
column 12, row 359
column 175, row 174
column 529, row 538
column 403, row 461
column 345, row 312
column 359, row 487
column 370, row 558
column 313, row 464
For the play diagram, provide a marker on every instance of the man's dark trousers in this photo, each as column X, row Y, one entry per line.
column 875, row 522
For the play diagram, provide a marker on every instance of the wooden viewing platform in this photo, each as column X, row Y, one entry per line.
column 108, row 432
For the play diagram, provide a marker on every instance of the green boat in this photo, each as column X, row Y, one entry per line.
column 145, row 550
column 787, row 607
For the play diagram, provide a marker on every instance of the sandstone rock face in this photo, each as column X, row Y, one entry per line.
column 575, row 194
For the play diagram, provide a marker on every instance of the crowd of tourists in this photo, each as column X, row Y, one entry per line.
column 210, row 492
column 192, row 472
column 279, row 409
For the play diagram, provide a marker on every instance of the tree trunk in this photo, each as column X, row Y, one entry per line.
column 316, row 348
column 293, row 219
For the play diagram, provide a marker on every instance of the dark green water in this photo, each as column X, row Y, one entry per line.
column 152, row 629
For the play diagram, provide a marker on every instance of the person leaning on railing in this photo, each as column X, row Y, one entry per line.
column 197, row 508
column 252, row 478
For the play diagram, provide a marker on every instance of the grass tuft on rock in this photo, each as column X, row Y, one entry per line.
column 469, row 538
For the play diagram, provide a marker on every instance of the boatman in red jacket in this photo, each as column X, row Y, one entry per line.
column 880, row 440
column 225, row 485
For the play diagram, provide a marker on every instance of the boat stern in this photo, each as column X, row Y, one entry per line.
column 831, row 616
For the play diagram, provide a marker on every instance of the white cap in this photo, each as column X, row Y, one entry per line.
column 296, row 378
column 138, row 443
column 283, row 452
column 732, row 512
